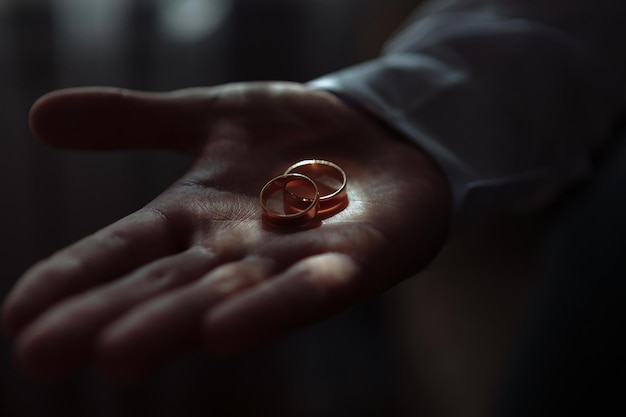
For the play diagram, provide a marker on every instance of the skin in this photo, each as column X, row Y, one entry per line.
column 197, row 267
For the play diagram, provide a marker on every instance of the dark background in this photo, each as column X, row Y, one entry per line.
column 436, row 346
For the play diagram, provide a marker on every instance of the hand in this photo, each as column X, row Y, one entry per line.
column 197, row 266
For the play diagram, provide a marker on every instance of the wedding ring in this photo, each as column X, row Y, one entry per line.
column 290, row 200
column 330, row 179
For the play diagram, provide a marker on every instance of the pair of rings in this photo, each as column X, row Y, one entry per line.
column 307, row 190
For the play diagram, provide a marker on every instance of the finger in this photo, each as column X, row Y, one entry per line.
column 107, row 254
column 111, row 118
column 61, row 341
column 309, row 291
column 155, row 332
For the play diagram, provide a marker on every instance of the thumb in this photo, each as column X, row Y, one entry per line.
column 114, row 118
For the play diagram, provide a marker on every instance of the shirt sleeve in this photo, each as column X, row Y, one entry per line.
column 511, row 98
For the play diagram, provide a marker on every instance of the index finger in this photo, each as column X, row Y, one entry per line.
column 105, row 255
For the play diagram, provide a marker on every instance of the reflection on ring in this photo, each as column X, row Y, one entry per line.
column 290, row 200
column 330, row 179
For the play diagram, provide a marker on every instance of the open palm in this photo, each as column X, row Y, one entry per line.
column 197, row 266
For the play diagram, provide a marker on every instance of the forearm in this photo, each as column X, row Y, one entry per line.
column 511, row 98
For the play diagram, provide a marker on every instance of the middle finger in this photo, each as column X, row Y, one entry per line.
column 156, row 331
column 62, row 339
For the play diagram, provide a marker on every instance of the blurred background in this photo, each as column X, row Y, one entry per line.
column 434, row 346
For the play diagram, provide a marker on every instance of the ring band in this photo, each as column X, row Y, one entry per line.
column 331, row 195
column 290, row 200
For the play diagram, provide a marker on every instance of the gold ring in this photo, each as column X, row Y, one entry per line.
column 330, row 179
column 290, row 200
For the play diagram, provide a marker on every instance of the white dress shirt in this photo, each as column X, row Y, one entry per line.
column 512, row 98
